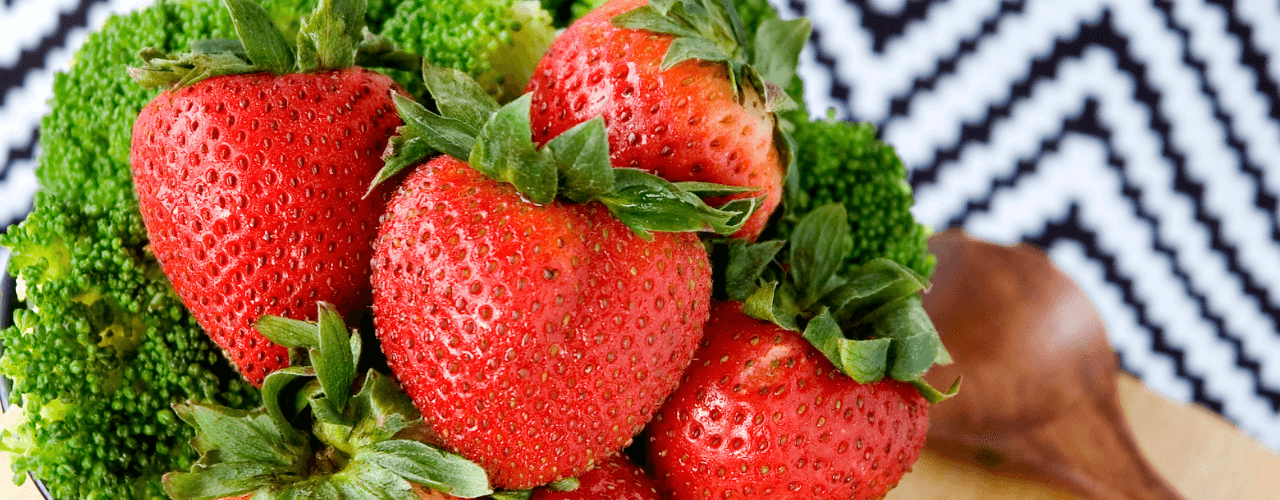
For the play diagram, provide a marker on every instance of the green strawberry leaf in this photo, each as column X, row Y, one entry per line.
column 703, row 189
column 512, row 495
column 335, row 367
column 653, row 17
column 290, row 333
column 689, row 48
column 819, row 244
column 329, row 38
column 428, row 466
column 566, row 484
column 777, row 48
column 276, row 385
column 504, row 152
column 380, row 410
column 646, row 202
column 746, row 266
column 224, row 480
column 862, row 360
column 875, row 283
column 366, row 480
column 933, row 395
column 582, row 154
column 265, row 45
column 459, row 97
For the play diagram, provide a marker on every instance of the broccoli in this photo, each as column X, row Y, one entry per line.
column 496, row 42
column 838, row 161
column 105, row 346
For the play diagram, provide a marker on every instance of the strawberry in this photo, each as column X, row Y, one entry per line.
column 614, row 479
column 536, row 336
column 679, row 104
column 808, row 384
column 763, row 414
column 251, row 185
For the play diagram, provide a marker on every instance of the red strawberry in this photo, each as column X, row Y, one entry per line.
column 536, row 340
column 763, row 414
column 251, row 190
column 686, row 123
column 615, row 479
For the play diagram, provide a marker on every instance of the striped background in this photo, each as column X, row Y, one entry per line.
column 1137, row 141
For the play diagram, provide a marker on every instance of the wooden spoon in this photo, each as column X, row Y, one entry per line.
column 1039, row 397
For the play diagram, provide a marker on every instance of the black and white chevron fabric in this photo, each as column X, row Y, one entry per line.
column 1137, row 141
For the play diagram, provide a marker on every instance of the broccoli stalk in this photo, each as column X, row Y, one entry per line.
column 495, row 42
column 844, row 162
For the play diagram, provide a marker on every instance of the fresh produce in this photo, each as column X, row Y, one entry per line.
column 682, row 91
column 839, row 162
column 104, row 342
column 762, row 414
column 614, row 479
column 323, row 432
column 251, row 182
column 537, row 299
column 495, row 42
column 808, row 384
column 536, row 335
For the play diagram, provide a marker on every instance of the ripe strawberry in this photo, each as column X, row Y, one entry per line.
column 251, row 186
column 696, row 121
column 615, row 479
column 536, row 340
column 762, row 414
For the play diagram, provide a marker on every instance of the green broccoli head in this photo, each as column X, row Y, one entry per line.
column 100, row 355
column 844, row 162
column 496, row 42
column 105, row 346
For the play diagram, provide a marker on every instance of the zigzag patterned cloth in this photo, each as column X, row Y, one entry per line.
column 1137, row 141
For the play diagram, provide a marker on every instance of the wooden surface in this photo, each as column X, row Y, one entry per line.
column 1202, row 455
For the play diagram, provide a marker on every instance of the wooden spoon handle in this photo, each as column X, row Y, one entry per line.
column 1087, row 449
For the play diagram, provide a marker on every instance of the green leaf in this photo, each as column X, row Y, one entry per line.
column 380, row 410
column 459, row 97
column 819, row 244
column 686, row 48
column 648, row 19
column 369, row 481
column 862, row 360
column 646, row 202
column 334, row 365
column 777, row 48
column 289, row 333
column 582, row 157
column 512, row 495
column 704, row 189
column 225, row 480
column 762, row 305
column 566, row 484
column 746, row 265
column 275, row 388
column 329, row 37
column 238, row 436
column 265, row 45
column 873, row 285
column 933, row 395
column 504, row 152
column 428, row 466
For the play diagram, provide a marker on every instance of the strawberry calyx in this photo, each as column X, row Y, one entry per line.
column 711, row 30
column 498, row 142
column 871, row 323
column 333, row 37
column 314, row 438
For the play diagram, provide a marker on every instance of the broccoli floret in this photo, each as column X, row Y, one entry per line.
column 105, row 346
column 496, row 42
column 844, row 162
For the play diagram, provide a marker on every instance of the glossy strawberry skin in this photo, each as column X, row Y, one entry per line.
column 251, row 191
column 683, row 124
column 762, row 414
column 536, row 340
column 615, row 479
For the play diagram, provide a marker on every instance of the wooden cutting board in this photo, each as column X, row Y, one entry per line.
column 1203, row 456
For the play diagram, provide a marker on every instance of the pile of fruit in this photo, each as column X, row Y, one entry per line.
column 648, row 276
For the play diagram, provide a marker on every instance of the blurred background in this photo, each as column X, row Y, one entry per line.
column 1137, row 142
